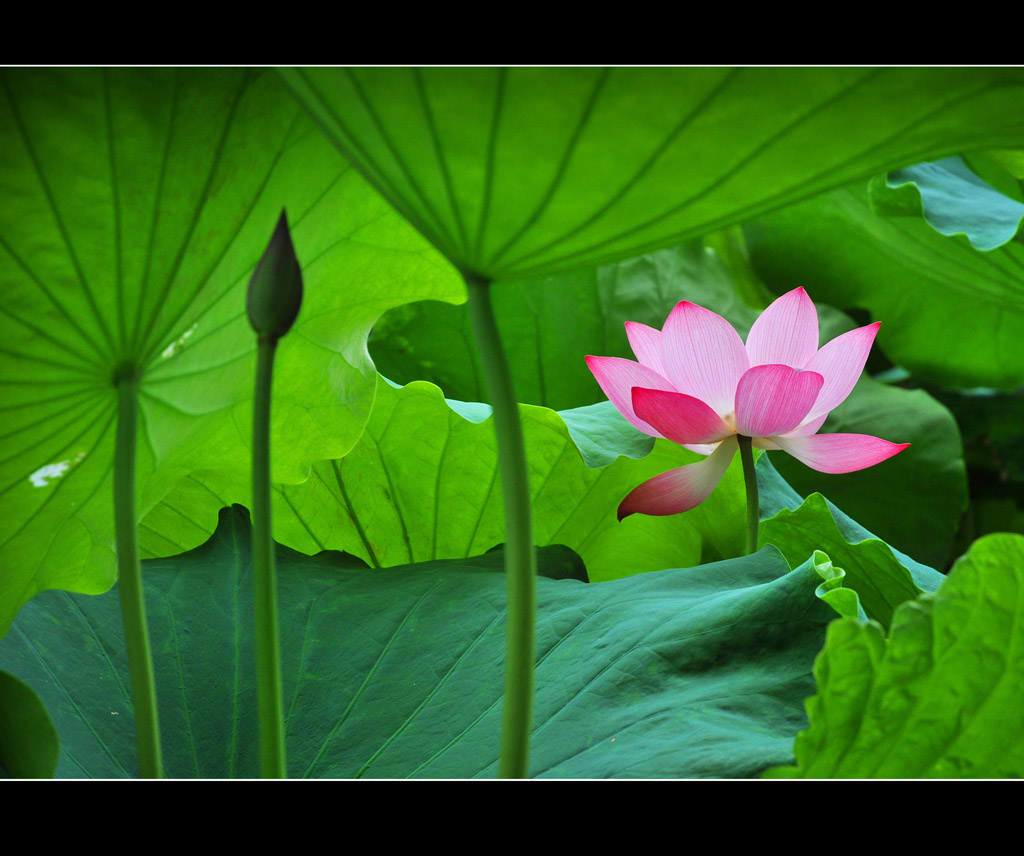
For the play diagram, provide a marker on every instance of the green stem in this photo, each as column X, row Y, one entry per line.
column 520, row 558
column 129, row 573
column 269, row 693
column 750, row 479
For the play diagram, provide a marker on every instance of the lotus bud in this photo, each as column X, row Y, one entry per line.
column 275, row 290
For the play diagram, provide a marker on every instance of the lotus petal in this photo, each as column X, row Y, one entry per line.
column 703, row 355
column 617, row 377
column 841, row 362
column 680, row 489
column 839, row 453
column 786, row 333
column 646, row 344
column 680, row 418
column 774, row 399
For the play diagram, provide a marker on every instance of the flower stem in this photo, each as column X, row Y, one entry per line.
column 269, row 693
column 129, row 573
column 520, row 558
column 750, row 479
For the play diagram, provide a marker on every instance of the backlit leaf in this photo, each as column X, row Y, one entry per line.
column 136, row 205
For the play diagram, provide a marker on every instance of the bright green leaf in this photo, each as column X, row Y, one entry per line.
column 422, row 484
column 549, row 324
column 516, row 172
column 942, row 697
column 1010, row 161
column 843, row 600
column 136, row 205
column 949, row 314
column 699, row 672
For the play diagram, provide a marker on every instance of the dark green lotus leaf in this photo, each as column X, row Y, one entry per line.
column 136, row 203
column 941, row 697
column 516, row 172
column 396, row 672
column 993, row 429
column 952, row 199
column 864, row 576
column 871, row 568
column 422, row 484
column 950, row 314
column 29, row 748
column 780, row 502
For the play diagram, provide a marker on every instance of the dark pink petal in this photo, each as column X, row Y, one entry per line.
column 680, row 489
column 841, row 362
column 680, row 418
column 617, row 378
column 646, row 344
column 703, row 355
column 786, row 333
column 839, row 453
column 774, row 399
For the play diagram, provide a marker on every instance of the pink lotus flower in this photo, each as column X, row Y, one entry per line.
column 698, row 385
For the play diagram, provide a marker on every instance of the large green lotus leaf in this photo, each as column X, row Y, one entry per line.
column 136, row 204
column 602, row 434
column 422, row 484
column 942, row 697
column 913, row 501
column 522, row 171
column 397, row 672
column 29, row 747
column 952, row 199
column 949, row 313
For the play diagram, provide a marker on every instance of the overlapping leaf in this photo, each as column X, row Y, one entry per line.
column 524, row 171
column 870, row 567
column 952, row 199
column 799, row 526
column 950, row 314
column 549, row 324
column 422, row 484
column 136, row 203
column 397, row 672
column 29, row 748
column 942, row 697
